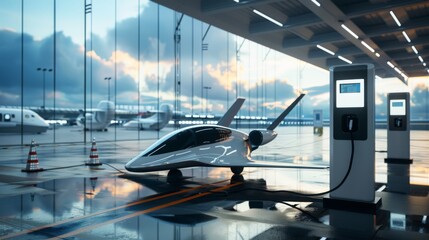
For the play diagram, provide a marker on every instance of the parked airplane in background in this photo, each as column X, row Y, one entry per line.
column 210, row 146
column 98, row 119
column 11, row 121
column 155, row 122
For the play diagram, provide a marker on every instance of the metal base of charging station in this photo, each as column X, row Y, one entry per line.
column 398, row 175
column 352, row 206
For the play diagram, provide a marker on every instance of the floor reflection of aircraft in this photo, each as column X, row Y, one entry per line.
column 11, row 121
column 155, row 122
column 251, row 192
column 210, row 146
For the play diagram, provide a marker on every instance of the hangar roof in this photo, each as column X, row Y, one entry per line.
column 359, row 31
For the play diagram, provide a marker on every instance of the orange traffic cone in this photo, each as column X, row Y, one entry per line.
column 93, row 156
column 32, row 160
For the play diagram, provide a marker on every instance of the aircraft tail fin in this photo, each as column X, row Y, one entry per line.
column 230, row 114
column 165, row 116
column 285, row 113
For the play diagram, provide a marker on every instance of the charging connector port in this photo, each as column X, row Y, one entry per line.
column 349, row 123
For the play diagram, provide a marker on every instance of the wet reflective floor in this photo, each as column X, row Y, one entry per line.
column 72, row 201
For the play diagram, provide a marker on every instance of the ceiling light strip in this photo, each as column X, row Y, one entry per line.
column 390, row 64
column 397, row 70
column 325, row 49
column 345, row 59
column 268, row 18
column 424, row 64
column 406, row 36
column 395, row 18
column 316, row 2
column 421, row 59
column 377, row 54
column 349, row 31
column 367, row 46
column 414, row 49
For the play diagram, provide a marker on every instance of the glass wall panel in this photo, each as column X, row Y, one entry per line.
column 10, row 64
column 135, row 59
column 69, row 71
column 38, row 63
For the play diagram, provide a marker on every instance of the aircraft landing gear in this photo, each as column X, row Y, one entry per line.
column 237, row 178
column 237, row 170
column 174, row 176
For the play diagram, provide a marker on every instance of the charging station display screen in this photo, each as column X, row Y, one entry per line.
column 350, row 93
column 397, row 104
column 397, row 107
column 350, row 88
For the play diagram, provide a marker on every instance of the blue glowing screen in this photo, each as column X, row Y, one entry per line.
column 397, row 104
column 350, row 88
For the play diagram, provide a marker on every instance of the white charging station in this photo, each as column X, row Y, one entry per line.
column 398, row 143
column 352, row 138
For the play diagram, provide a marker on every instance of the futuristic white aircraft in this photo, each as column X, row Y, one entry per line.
column 11, row 121
column 210, row 146
column 155, row 122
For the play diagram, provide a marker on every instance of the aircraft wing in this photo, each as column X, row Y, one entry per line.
column 230, row 114
column 280, row 118
column 267, row 164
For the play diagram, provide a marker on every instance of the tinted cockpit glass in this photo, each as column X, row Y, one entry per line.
column 191, row 137
column 208, row 135
column 181, row 140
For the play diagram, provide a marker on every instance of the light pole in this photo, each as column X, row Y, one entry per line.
column 207, row 88
column 108, row 87
column 44, row 82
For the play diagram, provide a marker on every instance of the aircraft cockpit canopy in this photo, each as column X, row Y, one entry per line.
column 189, row 137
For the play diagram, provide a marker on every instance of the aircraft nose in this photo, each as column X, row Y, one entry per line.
column 128, row 166
column 132, row 165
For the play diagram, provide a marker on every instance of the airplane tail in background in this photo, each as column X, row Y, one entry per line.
column 105, row 114
column 164, row 116
column 98, row 119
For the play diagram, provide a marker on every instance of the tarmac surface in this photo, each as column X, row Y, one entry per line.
column 70, row 200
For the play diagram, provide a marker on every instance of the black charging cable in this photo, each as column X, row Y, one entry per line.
column 344, row 178
column 350, row 127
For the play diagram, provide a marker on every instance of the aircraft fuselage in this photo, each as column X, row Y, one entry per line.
column 201, row 145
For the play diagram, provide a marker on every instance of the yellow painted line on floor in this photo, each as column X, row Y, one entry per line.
column 169, row 204
column 108, row 210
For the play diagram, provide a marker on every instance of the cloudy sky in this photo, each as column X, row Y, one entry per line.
column 268, row 79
